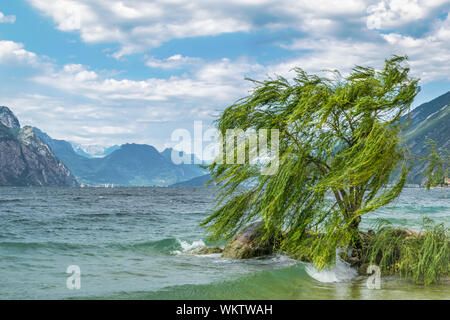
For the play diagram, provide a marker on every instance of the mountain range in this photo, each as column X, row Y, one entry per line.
column 128, row 165
column 93, row 151
column 29, row 156
column 194, row 182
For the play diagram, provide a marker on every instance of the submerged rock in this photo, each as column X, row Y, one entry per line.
column 248, row 244
column 207, row 250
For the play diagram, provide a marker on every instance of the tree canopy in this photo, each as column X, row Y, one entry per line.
column 340, row 144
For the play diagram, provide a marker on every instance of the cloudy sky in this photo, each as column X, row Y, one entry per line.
column 109, row 72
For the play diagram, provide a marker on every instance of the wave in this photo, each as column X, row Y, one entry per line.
column 43, row 245
column 167, row 246
column 188, row 247
column 10, row 200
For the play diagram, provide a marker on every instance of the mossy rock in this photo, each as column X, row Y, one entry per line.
column 248, row 244
column 362, row 269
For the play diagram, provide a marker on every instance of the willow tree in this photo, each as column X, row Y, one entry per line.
column 340, row 147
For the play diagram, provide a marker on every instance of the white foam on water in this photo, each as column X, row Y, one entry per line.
column 283, row 259
column 340, row 272
column 211, row 255
column 187, row 247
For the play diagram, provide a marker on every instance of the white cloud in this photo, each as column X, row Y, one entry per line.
column 206, row 89
column 101, row 108
column 136, row 25
column 89, row 122
column 108, row 130
column 89, row 107
column 230, row 72
column 330, row 54
column 94, row 122
column 139, row 25
column 173, row 62
column 217, row 81
column 13, row 52
column 428, row 54
column 394, row 13
column 7, row 19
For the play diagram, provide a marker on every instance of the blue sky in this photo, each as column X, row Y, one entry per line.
column 109, row 72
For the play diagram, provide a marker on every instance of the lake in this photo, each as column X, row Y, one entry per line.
column 132, row 243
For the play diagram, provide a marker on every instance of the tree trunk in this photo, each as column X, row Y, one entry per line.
column 354, row 225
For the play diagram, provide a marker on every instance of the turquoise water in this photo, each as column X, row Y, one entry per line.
column 132, row 243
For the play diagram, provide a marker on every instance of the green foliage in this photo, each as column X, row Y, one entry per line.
column 340, row 142
column 438, row 166
column 424, row 256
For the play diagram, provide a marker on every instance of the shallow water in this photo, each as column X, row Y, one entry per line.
column 132, row 243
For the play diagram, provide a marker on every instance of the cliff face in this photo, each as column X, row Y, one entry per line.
column 8, row 119
column 25, row 160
